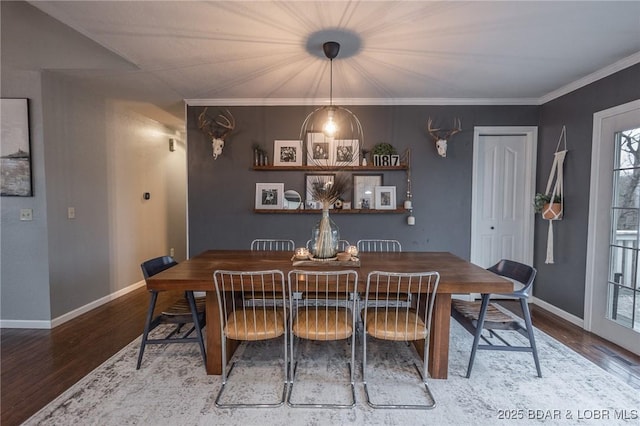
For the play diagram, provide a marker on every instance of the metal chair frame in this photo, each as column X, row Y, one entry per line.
column 327, row 290
column 376, row 245
column 390, row 285
column 150, row 268
column 523, row 274
column 380, row 246
column 232, row 287
column 268, row 244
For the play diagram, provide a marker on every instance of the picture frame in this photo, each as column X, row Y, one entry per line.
column 364, row 190
column 345, row 152
column 311, row 179
column 269, row 196
column 385, row 197
column 287, row 153
column 15, row 150
column 318, row 150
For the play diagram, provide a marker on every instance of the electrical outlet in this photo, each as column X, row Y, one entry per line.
column 172, row 252
column 71, row 213
column 26, row 214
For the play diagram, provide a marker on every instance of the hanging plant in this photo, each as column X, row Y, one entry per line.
column 540, row 200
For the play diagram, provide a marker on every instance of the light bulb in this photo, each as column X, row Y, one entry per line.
column 330, row 128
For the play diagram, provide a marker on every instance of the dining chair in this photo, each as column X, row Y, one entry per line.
column 267, row 244
column 185, row 310
column 483, row 315
column 386, row 246
column 379, row 245
column 324, row 311
column 386, row 318
column 342, row 245
column 249, row 322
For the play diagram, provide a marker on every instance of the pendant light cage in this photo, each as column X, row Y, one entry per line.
column 332, row 135
column 341, row 149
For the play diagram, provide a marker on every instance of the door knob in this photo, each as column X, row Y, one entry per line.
column 492, row 227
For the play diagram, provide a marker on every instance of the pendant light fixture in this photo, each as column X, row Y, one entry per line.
column 328, row 124
column 331, row 50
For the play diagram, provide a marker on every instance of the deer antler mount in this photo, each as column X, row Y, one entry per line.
column 441, row 136
column 217, row 129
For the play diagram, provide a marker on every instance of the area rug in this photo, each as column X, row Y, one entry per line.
column 171, row 388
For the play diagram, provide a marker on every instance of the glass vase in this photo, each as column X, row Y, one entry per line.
column 325, row 237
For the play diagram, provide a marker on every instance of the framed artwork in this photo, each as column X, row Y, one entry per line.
column 345, row 152
column 385, row 197
column 314, row 180
column 15, row 153
column 287, row 153
column 269, row 195
column 318, row 150
column 364, row 190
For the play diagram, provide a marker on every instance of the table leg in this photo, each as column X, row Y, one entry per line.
column 439, row 339
column 212, row 342
column 439, row 343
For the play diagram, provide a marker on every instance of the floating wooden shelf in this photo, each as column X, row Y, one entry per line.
column 332, row 211
column 327, row 168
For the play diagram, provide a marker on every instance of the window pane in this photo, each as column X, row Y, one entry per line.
column 624, row 220
column 627, row 149
column 627, row 188
column 622, row 303
column 623, row 266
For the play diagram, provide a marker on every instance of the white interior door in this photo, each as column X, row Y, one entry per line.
column 612, row 293
column 503, row 185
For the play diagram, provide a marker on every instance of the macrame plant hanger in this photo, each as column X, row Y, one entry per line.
column 555, row 188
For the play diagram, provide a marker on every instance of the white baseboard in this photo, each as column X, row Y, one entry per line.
column 559, row 312
column 44, row 324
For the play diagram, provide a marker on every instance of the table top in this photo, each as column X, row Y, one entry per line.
column 456, row 275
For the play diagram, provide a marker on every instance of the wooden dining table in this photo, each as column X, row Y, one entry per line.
column 457, row 276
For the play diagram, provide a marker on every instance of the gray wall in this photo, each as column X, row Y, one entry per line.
column 562, row 283
column 91, row 152
column 221, row 192
column 24, row 252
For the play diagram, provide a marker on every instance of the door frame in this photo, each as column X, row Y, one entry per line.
column 531, row 141
column 599, row 213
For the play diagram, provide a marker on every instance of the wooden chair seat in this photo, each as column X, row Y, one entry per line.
column 181, row 307
column 495, row 318
column 255, row 324
column 396, row 325
column 323, row 323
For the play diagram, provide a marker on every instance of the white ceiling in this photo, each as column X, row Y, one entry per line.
column 393, row 52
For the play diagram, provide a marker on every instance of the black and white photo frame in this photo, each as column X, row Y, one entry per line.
column 269, row 196
column 287, row 153
column 345, row 152
column 385, row 197
column 364, row 190
column 314, row 179
column 318, row 150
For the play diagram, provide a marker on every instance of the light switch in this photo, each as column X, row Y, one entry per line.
column 71, row 213
column 26, row 214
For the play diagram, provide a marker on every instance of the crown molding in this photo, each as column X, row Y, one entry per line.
column 595, row 76
column 358, row 101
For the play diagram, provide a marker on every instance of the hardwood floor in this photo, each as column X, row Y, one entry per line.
column 38, row 365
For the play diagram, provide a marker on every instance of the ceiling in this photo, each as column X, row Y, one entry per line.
column 160, row 53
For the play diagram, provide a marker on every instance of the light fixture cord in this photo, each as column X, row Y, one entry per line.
column 331, row 86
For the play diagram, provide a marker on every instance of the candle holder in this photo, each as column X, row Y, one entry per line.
column 302, row 253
